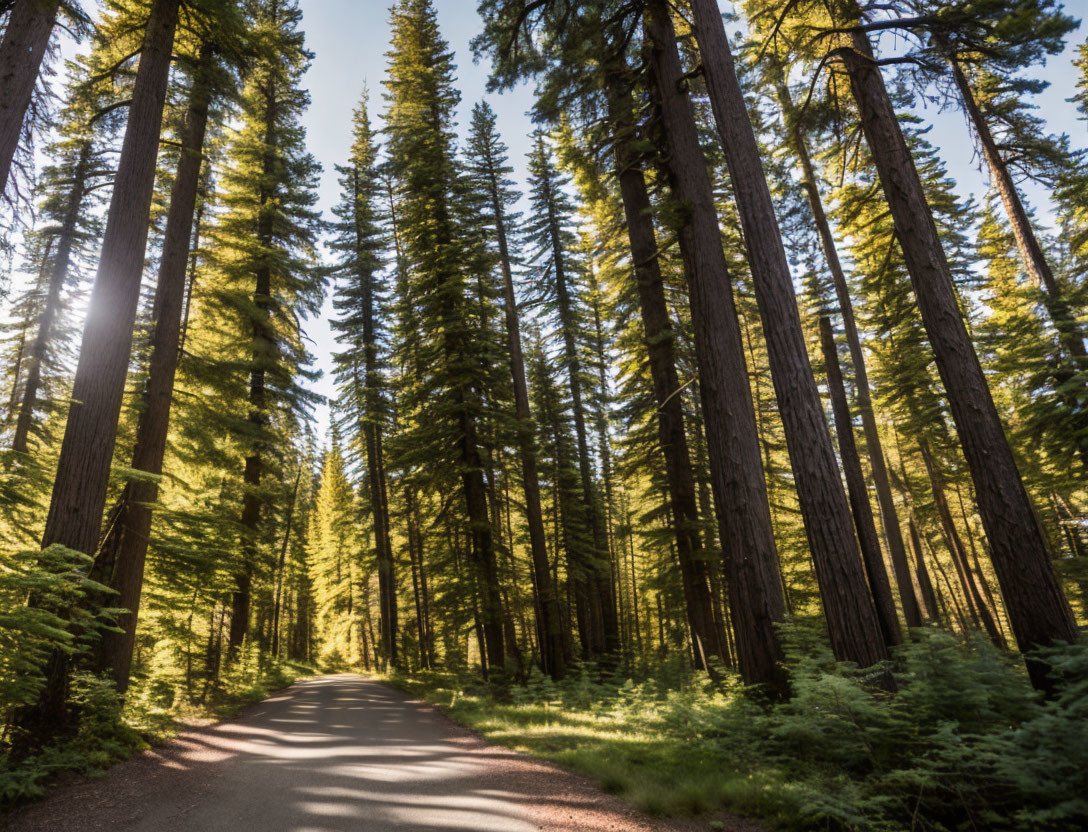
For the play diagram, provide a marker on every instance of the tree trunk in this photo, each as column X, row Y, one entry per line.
column 1027, row 243
column 58, row 274
column 873, row 558
column 277, row 601
column 889, row 517
column 1038, row 611
column 120, row 563
column 603, row 624
column 737, row 478
column 548, row 612
column 660, row 342
column 26, row 40
column 851, row 619
column 83, row 469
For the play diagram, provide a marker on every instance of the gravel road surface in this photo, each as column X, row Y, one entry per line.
column 334, row 754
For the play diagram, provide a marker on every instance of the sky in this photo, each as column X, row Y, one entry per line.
column 349, row 39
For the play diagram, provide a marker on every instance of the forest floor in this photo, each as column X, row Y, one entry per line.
column 333, row 754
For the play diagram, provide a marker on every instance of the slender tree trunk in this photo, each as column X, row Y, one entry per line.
column 262, row 351
column 737, row 478
column 852, row 620
column 1027, row 243
column 1038, row 611
column 58, row 275
column 874, row 447
column 280, row 565
column 26, row 40
column 79, row 490
column 957, row 549
column 604, row 626
column 875, row 569
column 660, row 341
column 547, row 609
column 120, row 562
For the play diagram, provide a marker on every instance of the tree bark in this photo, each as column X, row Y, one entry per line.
column 548, row 612
column 1037, row 608
column 26, row 40
column 737, row 477
column 120, row 563
column 848, row 607
column 660, row 341
column 79, row 489
column 874, row 447
column 277, row 600
column 879, row 585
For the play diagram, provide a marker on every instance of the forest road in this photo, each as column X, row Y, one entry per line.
column 333, row 754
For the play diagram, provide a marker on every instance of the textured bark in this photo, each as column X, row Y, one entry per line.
column 120, row 563
column 851, row 619
column 660, row 340
column 864, row 524
column 548, row 612
column 1027, row 243
column 26, row 40
column 1037, row 608
column 740, row 490
column 79, row 490
column 893, row 533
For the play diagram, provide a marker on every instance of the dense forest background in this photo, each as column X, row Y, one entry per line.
column 725, row 390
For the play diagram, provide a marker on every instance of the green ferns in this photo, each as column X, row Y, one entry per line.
column 965, row 743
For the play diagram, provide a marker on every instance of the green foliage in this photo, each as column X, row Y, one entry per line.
column 965, row 743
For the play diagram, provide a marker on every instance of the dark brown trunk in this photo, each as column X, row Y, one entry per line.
column 737, row 479
column 120, row 563
column 873, row 446
column 660, row 343
column 79, row 490
column 547, row 607
column 1038, row 611
column 848, row 607
column 864, row 523
column 26, row 40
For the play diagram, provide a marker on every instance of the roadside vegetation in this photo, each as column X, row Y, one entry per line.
column 964, row 744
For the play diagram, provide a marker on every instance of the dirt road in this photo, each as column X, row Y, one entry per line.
column 334, row 754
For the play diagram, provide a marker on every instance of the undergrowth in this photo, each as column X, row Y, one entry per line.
column 965, row 743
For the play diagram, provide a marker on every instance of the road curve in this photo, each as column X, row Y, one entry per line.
column 333, row 754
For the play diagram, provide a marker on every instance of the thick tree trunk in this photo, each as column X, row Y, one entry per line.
column 1037, row 608
column 120, row 563
column 660, row 341
column 547, row 608
column 889, row 517
column 26, row 40
column 848, row 607
column 864, row 524
column 79, row 490
column 737, row 478
column 1027, row 243
column 58, row 274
